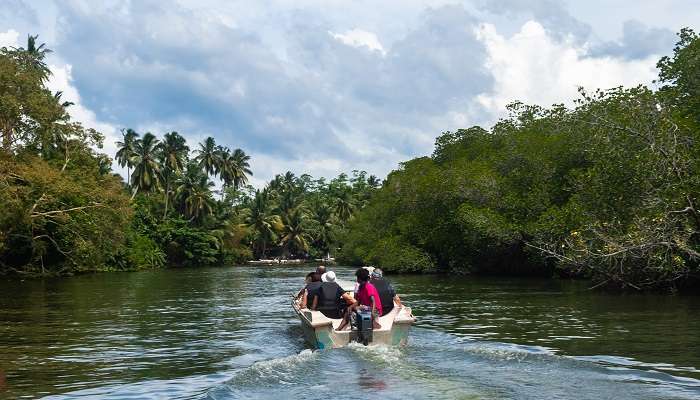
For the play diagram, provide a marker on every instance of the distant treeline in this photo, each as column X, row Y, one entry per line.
column 607, row 190
column 63, row 210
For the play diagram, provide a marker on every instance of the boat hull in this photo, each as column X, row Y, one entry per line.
column 320, row 331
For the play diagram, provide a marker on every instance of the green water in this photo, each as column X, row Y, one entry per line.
column 229, row 333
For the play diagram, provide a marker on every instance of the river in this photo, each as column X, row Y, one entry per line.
column 230, row 333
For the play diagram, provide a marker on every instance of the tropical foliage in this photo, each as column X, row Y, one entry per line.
column 64, row 211
column 607, row 189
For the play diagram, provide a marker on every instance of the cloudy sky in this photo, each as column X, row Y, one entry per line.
column 324, row 86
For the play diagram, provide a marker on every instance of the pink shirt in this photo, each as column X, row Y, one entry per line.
column 363, row 296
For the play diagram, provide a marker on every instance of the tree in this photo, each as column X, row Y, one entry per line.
column 147, row 169
column 28, row 110
column 208, row 156
column 33, row 57
column 264, row 224
column 344, row 206
column 322, row 215
column 173, row 152
column 295, row 234
column 125, row 151
column 240, row 168
column 194, row 193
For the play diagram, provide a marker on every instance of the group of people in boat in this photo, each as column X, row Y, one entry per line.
column 372, row 292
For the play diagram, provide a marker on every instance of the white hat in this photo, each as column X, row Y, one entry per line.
column 328, row 277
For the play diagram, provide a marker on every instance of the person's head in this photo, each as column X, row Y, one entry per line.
column 321, row 269
column 309, row 277
column 328, row 277
column 315, row 277
column 377, row 273
column 362, row 275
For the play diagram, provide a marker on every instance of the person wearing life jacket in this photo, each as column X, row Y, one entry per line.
column 387, row 294
column 329, row 299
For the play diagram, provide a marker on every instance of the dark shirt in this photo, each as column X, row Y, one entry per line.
column 313, row 289
column 386, row 294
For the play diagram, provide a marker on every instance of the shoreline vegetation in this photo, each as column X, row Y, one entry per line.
column 606, row 190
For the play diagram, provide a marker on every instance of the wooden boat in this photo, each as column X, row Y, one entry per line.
column 320, row 331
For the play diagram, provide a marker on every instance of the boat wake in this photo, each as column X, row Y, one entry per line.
column 438, row 365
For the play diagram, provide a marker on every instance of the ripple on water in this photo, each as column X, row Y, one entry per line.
column 230, row 334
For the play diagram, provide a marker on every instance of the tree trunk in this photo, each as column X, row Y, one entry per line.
column 7, row 138
column 167, row 196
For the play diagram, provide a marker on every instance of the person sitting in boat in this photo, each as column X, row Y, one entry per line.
column 387, row 294
column 307, row 280
column 366, row 298
column 330, row 297
column 320, row 270
column 310, row 291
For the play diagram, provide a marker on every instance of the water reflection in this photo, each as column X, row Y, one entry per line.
column 230, row 333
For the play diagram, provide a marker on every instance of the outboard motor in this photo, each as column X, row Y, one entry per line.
column 361, row 322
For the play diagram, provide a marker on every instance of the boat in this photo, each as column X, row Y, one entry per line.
column 320, row 331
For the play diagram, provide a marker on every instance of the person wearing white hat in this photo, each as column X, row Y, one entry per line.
column 328, row 277
column 330, row 298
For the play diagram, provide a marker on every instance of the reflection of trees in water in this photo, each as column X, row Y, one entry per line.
column 116, row 328
column 367, row 380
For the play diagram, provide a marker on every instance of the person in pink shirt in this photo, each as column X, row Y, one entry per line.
column 366, row 297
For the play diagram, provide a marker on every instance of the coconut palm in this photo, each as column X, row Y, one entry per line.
column 344, row 206
column 241, row 168
column 173, row 152
column 33, row 56
column 373, row 182
column 126, row 151
column 295, row 233
column 193, row 193
column 146, row 175
column 260, row 219
column 225, row 168
column 322, row 214
column 208, row 156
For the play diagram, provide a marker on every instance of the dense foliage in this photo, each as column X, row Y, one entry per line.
column 606, row 189
column 64, row 211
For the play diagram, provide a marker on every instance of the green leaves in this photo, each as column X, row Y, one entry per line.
column 608, row 189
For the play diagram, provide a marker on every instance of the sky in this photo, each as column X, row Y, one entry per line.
column 330, row 86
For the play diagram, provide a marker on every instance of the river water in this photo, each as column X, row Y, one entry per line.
column 230, row 333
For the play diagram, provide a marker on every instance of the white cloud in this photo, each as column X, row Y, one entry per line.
column 9, row 38
column 360, row 38
column 61, row 81
column 534, row 68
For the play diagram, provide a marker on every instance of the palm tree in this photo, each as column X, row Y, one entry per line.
column 225, row 168
column 240, row 168
column 295, row 235
column 33, row 56
column 126, row 152
column 322, row 214
column 194, row 193
column 344, row 206
column 262, row 221
column 208, row 156
column 173, row 152
column 146, row 175
column 373, row 182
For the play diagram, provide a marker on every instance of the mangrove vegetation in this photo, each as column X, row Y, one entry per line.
column 607, row 189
